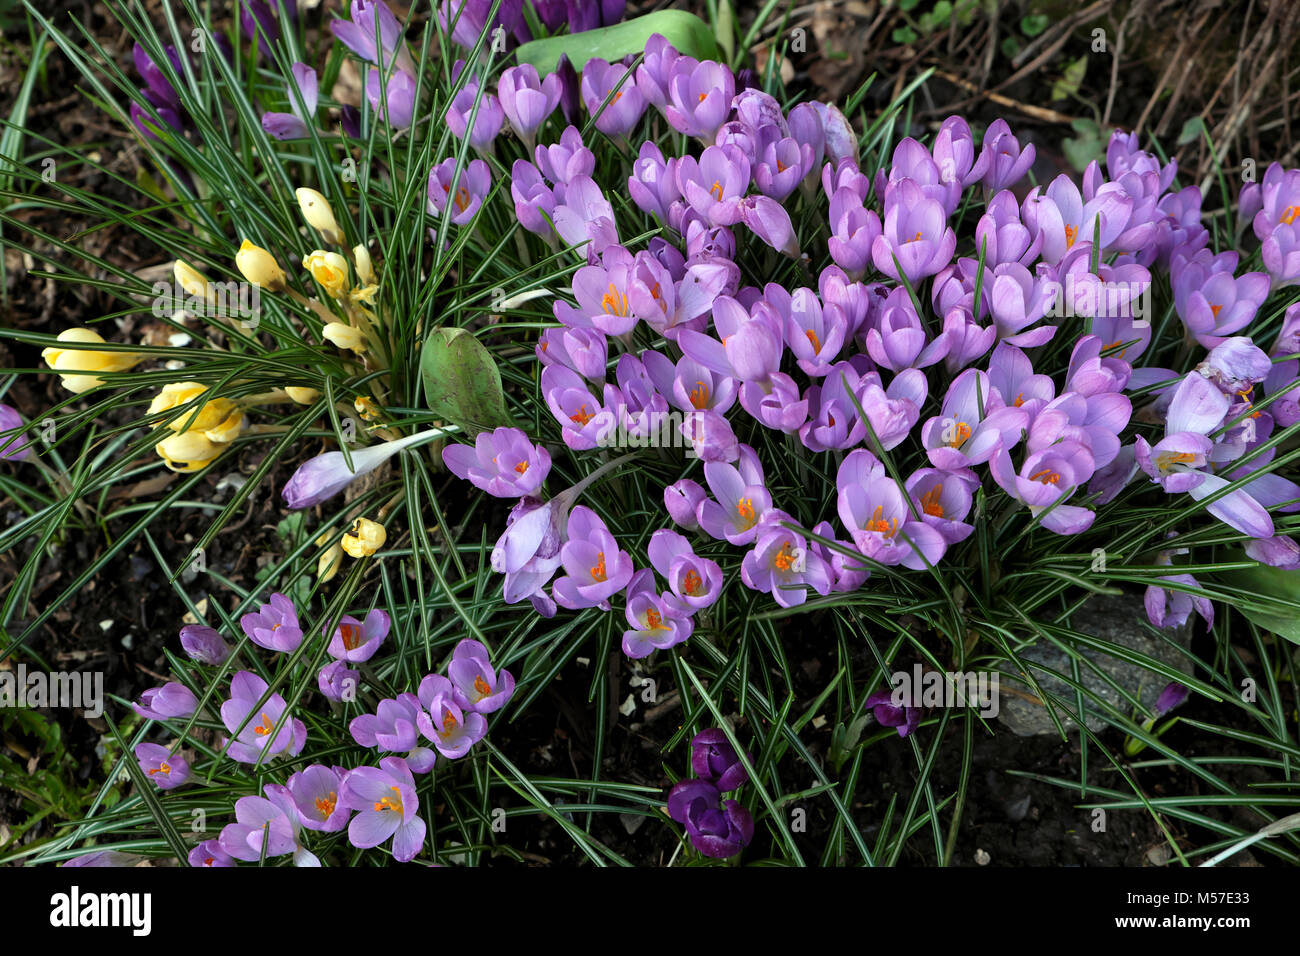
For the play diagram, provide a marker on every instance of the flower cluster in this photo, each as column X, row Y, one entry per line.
column 716, row 827
column 917, row 343
column 374, row 803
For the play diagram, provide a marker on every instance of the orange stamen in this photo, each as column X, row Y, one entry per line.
column 521, row 467
column 614, row 302
column 265, row 727
column 745, row 508
column 582, row 416
column 930, row 501
column 393, row 803
column 598, row 573
column 351, row 635
column 1046, row 477
column 878, row 523
column 1289, row 214
column 481, row 687
column 700, row 395
column 326, row 805
column 960, row 435
column 784, row 558
column 816, row 342
column 1071, row 234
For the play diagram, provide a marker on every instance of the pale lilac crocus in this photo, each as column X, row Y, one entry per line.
column 585, row 422
column 534, row 200
column 12, row 449
column 503, row 462
column 374, row 34
column 392, row 100
column 1214, row 305
column 714, row 184
column 653, row 183
column 611, row 97
column 782, row 565
column 165, row 770
column 814, row 334
column 204, row 644
column 487, row 121
column 265, row 824
column 898, row 341
column 879, row 517
column 564, row 161
column 1002, row 236
column 210, row 854
column 327, row 474
column 739, row 504
column 694, row 582
column 915, row 231
column 295, row 124
column 1046, row 478
column 585, row 351
column 682, row 500
column 393, row 728
column 171, row 701
column 527, row 99
column 338, row 682
column 698, row 97
column 355, row 641
column 452, row 729
column 943, row 500
column 689, row 385
column 652, row 624
column 954, row 153
column 274, row 625
column 1005, row 162
column 315, row 791
column 1170, row 607
column 584, row 217
column 595, row 566
column 471, row 189
column 971, row 424
column 258, row 740
column 476, row 685
column 386, row 804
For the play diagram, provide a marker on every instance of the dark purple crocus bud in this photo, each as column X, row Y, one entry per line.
column 716, row 831
column 714, row 759
column 570, row 89
column 904, row 719
column 1172, row 696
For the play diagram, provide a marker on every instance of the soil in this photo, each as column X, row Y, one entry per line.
column 121, row 621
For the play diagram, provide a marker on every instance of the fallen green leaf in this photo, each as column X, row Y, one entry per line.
column 462, row 383
column 685, row 31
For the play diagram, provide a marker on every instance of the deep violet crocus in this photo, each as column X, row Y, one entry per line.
column 903, row 718
column 475, row 684
column 386, row 804
column 715, row 760
column 502, row 462
column 716, row 828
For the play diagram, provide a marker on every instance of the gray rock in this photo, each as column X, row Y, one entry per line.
column 1117, row 619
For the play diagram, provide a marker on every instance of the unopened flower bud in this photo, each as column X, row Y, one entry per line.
column 365, row 538
column 259, row 266
column 316, row 210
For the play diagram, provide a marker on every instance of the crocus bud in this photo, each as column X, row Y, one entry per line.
column 316, row 210
column 302, row 395
column 365, row 538
column 326, row 475
column 338, row 682
column 344, row 336
column 193, row 281
column 259, row 267
column 329, row 269
column 365, row 270
column 327, row 565
column 715, row 760
column 204, row 644
column 682, row 500
column 197, row 437
column 73, row 364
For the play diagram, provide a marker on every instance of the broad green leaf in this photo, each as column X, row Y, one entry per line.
column 685, row 31
column 1068, row 84
column 1268, row 582
column 462, row 382
column 1090, row 144
column 1034, row 24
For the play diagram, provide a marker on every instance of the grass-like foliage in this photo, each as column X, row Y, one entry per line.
column 647, row 361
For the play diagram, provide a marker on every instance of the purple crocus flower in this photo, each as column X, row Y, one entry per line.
column 315, row 791
column 1047, row 477
column 274, row 625
column 355, row 641
column 452, row 729
column 585, row 351
column 682, row 500
column 503, row 462
column 916, row 232
column 567, row 160
column 204, row 644
column 1173, row 695
column 971, row 424
column 768, row 220
column 856, row 230
column 254, row 743
column 393, row 100
column 487, row 122
column 595, row 566
column 475, row 183
column 209, row 853
column 782, row 564
column 1059, row 217
column 1006, row 163
column 695, row 582
column 386, row 804
column 716, row 828
column 1213, row 305
column 167, row 770
column 1275, row 224
column 806, row 129
column 740, row 504
column 475, row 684
column 534, row 200
column 584, row 422
column 698, row 96
column 943, row 499
column 393, row 728
column 714, row 184
column 653, row 183
column 374, row 34
column 296, row 123
column 653, row 625
column 912, row 162
column 10, row 448
column 879, row 518
column 527, row 100
column 1003, row 236
column 108, row 858
column 898, row 341
column 603, row 81
column 168, row 702
column 954, row 153
column 327, row 474
column 586, row 216
column 1170, row 607
column 905, row 718
column 841, row 141
column 715, row 760
column 267, row 823
column 815, row 334
column 1018, row 299
column 338, row 682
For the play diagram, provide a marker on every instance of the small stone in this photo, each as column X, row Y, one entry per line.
column 628, row 707
column 982, row 858
column 631, row 822
column 129, row 641
column 106, row 624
